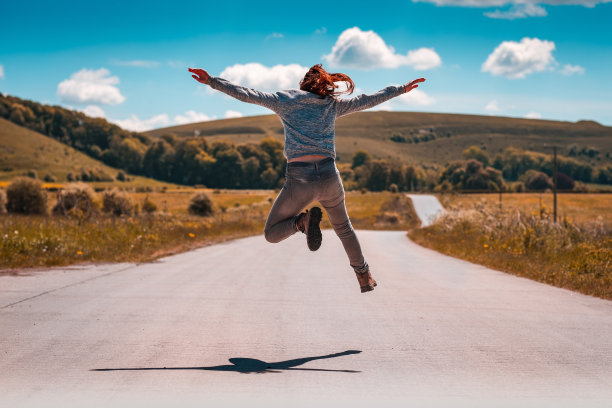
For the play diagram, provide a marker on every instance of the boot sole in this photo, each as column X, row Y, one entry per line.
column 314, row 237
column 368, row 288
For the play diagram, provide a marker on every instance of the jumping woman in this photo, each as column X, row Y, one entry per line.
column 308, row 116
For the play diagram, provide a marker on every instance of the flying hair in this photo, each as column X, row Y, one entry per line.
column 317, row 80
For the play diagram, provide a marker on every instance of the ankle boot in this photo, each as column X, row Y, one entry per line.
column 308, row 223
column 366, row 282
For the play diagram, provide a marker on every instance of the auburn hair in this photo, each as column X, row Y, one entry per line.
column 318, row 80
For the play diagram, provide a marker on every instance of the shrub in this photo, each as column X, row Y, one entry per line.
column 2, row 202
column 78, row 199
column 536, row 180
column 50, row 178
column 393, row 188
column 26, row 196
column 201, row 204
column 117, row 203
column 149, row 206
column 121, row 176
column 32, row 174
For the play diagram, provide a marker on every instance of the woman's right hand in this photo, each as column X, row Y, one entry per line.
column 413, row 84
column 200, row 75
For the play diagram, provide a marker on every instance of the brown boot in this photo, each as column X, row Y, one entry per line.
column 308, row 223
column 366, row 282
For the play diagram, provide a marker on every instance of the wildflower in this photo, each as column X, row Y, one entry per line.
column 16, row 232
column 79, row 252
column 191, row 235
column 486, row 245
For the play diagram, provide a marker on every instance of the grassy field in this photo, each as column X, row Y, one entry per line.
column 372, row 131
column 30, row 241
column 521, row 238
column 22, row 149
column 581, row 209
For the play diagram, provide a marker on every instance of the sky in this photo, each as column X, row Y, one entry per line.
column 127, row 61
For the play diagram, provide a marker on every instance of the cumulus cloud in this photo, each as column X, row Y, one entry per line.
column 367, row 50
column 1, row 71
column 191, row 116
column 232, row 114
column 94, row 111
column 533, row 115
column 572, row 69
column 518, row 59
column 256, row 75
column 136, row 124
column 137, row 63
column 492, row 107
column 416, row 97
column 91, row 86
column 516, row 8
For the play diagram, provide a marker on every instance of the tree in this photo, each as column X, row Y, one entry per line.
column 475, row 152
column 360, row 158
column 379, row 176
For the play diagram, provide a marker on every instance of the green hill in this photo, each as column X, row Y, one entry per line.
column 441, row 137
column 22, row 150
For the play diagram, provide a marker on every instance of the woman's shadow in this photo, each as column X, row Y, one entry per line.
column 252, row 365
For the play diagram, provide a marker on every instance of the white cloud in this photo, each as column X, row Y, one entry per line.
column 516, row 8
column 90, row 86
column 572, row 69
column 135, row 124
column 321, row 30
column 416, row 97
column 533, row 115
column 1, row 71
column 519, row 10
column 492, row 107
column 94, row 111
column 275, row 35
column 367, row 50
column 191, row 116
column 232, row 114
column 258, row 76
column 137, row 63
column 518, row 59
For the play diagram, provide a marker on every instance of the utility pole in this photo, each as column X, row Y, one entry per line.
column 555, row 184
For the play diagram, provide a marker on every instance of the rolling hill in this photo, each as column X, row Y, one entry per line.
column 442, row 137
column 22, row 149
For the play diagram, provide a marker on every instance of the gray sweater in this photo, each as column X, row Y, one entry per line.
column 308, row 118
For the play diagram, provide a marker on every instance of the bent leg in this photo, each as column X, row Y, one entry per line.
column 293, row 197
column 333, row 202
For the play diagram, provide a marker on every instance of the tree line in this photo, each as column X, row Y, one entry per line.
column 223, row 164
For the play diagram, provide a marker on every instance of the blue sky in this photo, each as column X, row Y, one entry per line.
column 127, row 61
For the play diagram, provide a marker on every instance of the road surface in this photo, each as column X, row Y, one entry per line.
column 247, row 324
column 427, row 207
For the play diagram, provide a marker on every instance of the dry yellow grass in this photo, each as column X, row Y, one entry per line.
column 29, row 241
column 577, row 208
column 523, row 240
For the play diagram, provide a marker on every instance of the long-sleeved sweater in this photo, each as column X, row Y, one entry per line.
column 308, row 118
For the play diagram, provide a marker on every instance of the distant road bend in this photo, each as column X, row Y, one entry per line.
column 248, row 323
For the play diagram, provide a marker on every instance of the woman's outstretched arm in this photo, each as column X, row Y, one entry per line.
column 361, row 102
column 265, row 99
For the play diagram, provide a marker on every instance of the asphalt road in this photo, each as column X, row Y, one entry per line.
column 248, row 323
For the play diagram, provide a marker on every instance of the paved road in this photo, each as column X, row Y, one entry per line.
column 427, row 207
column 249, row 324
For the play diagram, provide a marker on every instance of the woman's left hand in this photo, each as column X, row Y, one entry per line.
column 413, row 84
column 200, row 75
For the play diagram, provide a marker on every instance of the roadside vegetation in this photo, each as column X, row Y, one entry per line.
column 521, row 238
column 78, row 225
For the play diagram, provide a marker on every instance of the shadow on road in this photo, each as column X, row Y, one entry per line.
column 252, row 365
